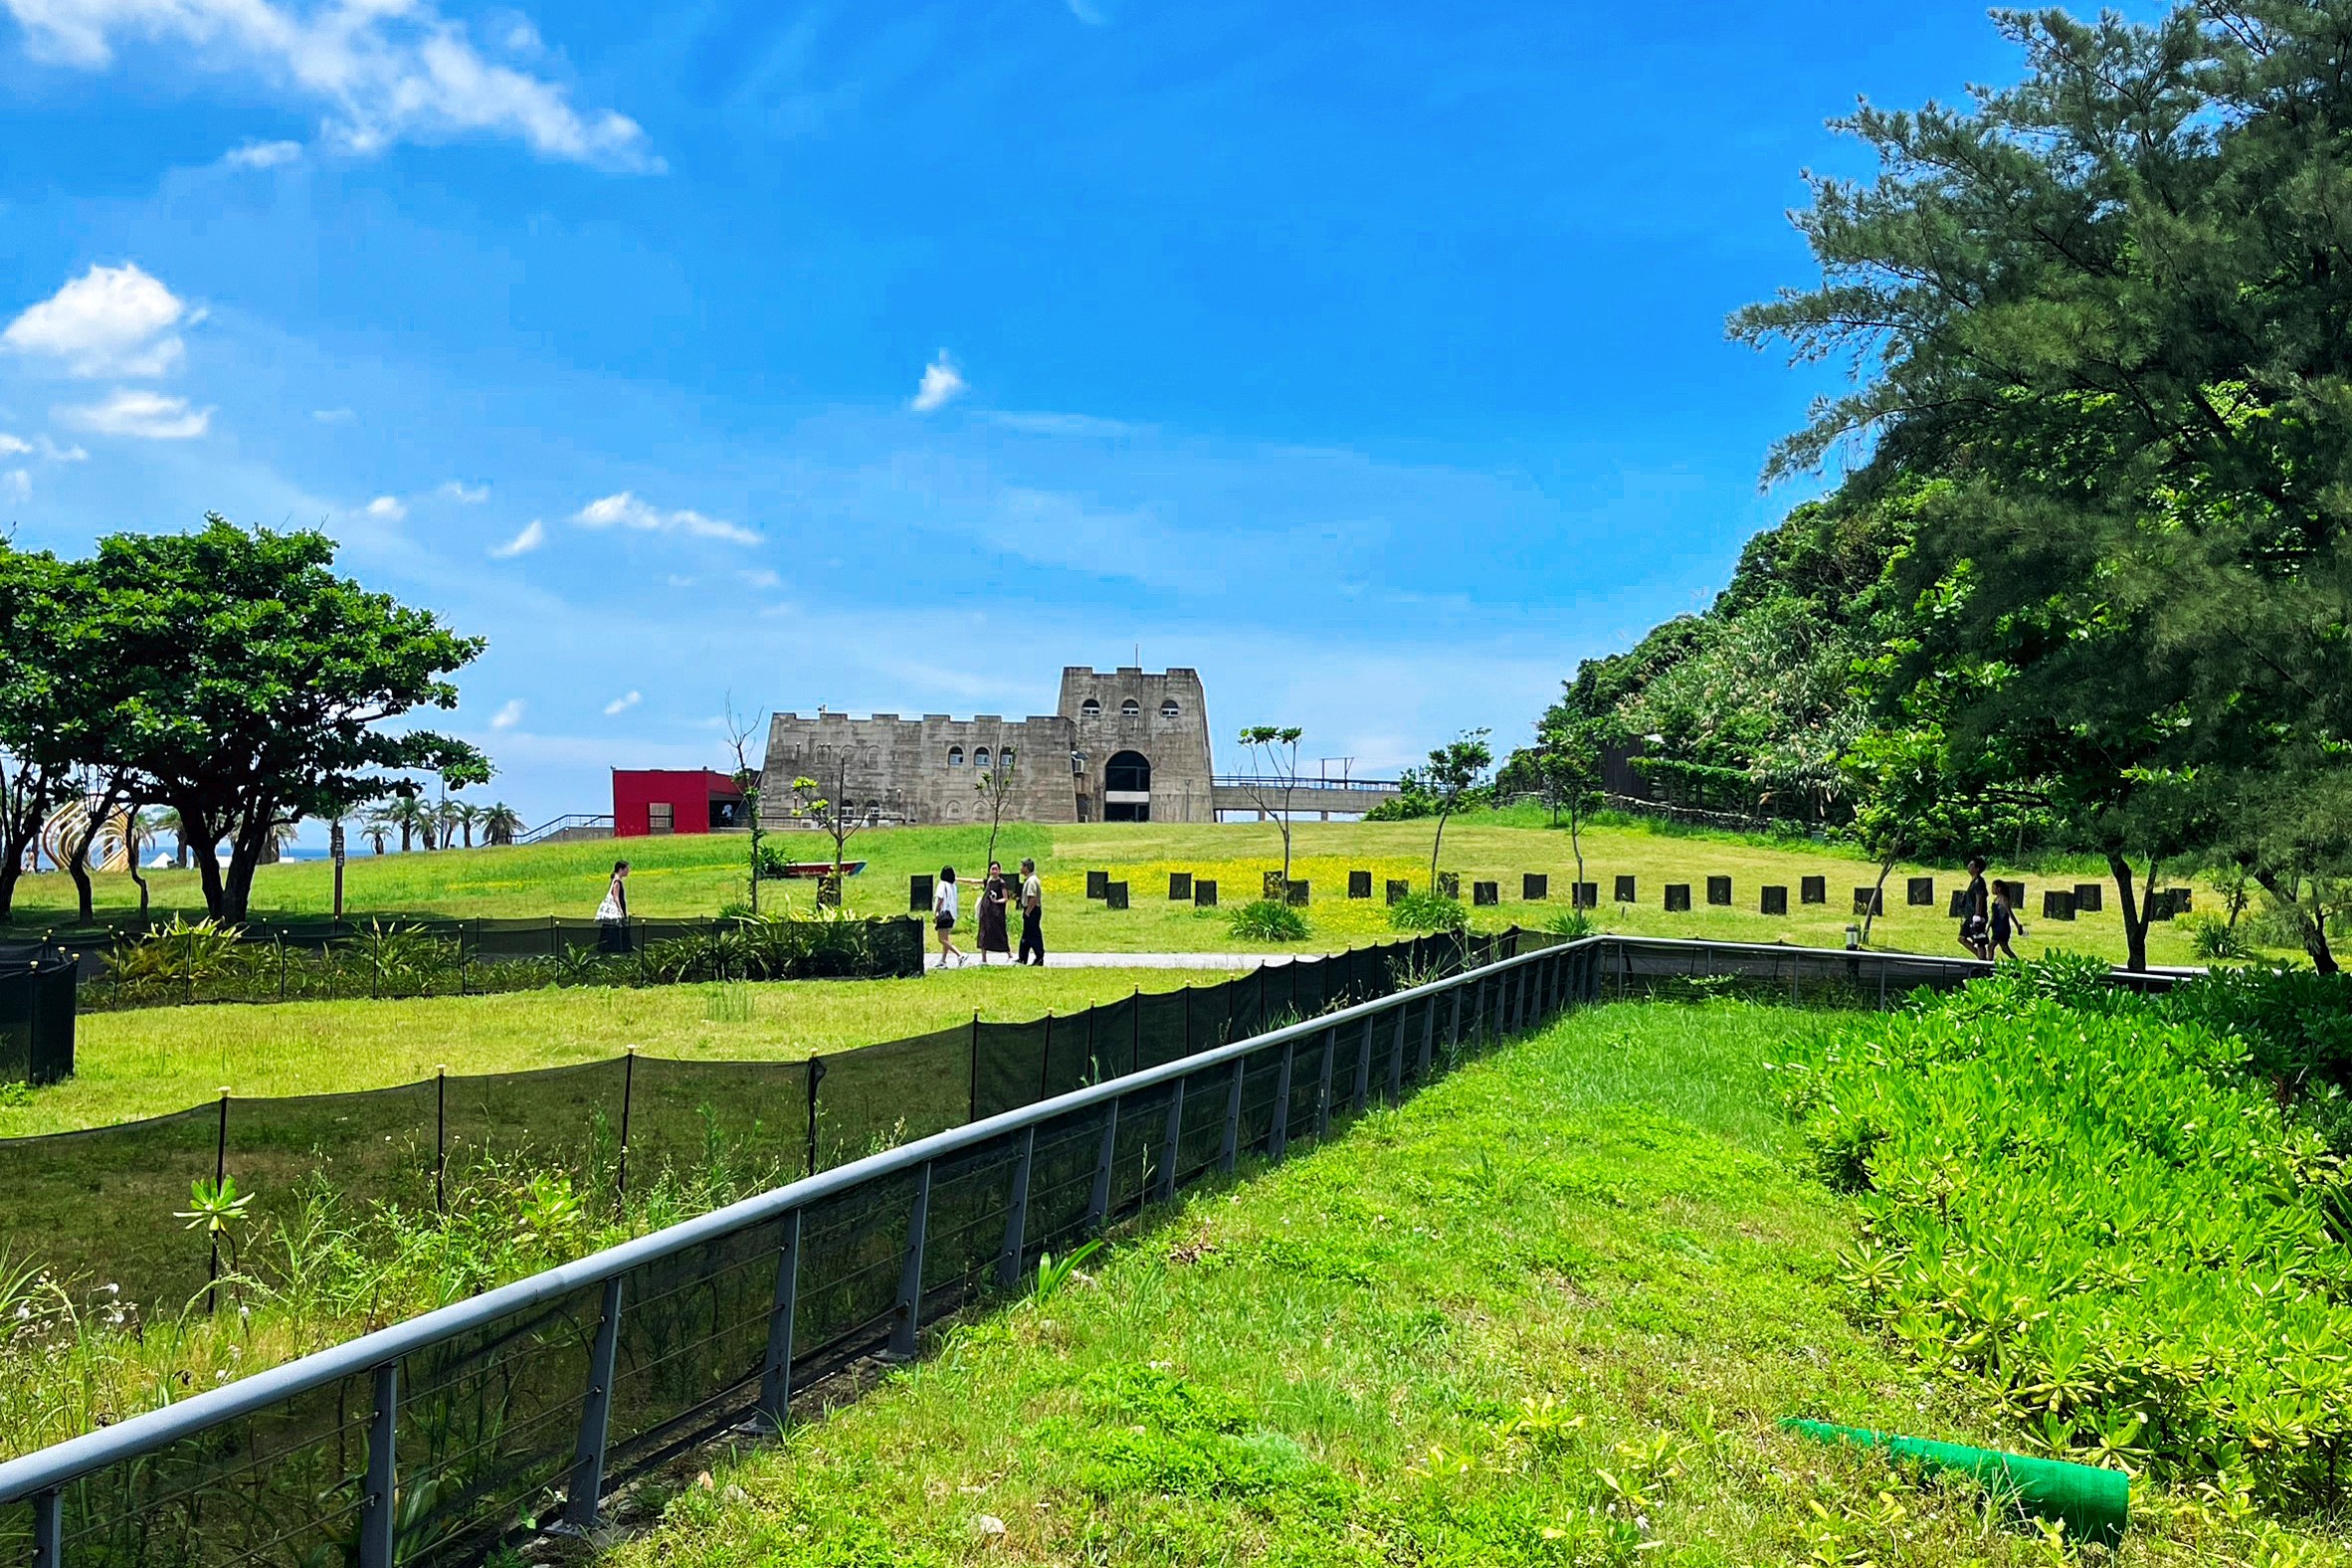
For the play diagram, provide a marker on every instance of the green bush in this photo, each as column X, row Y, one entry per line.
column 1267, row 920
column 2213, row 938
column 2093, row 1206
column 1428, row 911
column 1571, row 923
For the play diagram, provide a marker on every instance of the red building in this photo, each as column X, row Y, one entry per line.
column 675, row 800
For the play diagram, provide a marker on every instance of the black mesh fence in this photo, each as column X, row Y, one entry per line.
column 389, row 957
column 432, row 1442
column 36, row 1019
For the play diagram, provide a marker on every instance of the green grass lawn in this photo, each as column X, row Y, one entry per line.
column 151, row 1061
column 1550, row 1312
column 699, row 876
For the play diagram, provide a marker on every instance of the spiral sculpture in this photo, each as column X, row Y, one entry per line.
column 111, row 850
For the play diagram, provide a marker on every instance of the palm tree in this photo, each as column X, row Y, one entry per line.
column 458, row 817
column 500, row 824
column 375, row 829
column 411, row 817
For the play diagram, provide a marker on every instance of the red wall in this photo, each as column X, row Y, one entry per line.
column 688, row 793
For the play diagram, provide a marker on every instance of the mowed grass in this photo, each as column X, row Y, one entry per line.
column 700, row 875
column 157, row 1060
column 1551, row 1311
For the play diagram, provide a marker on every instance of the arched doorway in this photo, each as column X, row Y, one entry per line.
column 1126, row 787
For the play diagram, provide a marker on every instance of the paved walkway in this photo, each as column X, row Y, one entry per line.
column 1140, row 960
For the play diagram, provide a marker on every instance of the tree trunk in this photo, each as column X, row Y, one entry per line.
column 1433, row 848
column 20, row 829
column 244, row 854
column 1576, row 843
column 2312, row 927
column 2136, row 916
column 1877, row 898
column 202, row 831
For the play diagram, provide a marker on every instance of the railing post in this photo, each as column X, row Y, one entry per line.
column 775, row 1380
column 1428, row 1039
column 908, row 1316
column 1099, row 1200
column 1323, row 1083
column 1396, row 1053
column 379, row 1512
column 1278, row 1136
column 1363, row 1091
column 585, row 1490
column 48, row 1529
column 1454, row 1024
column 1008, row 1257
column 1230, row 1155
column 1172, row 1146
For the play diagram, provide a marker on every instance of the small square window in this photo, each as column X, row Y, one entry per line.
column 661, row 818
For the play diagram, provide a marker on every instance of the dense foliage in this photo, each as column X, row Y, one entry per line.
column 2097, row 1203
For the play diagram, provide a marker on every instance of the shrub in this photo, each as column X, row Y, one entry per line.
column 2096, row 1210
column 1571, row 923
column 2211, row 937
column 1267, row 920
column 1428, row 911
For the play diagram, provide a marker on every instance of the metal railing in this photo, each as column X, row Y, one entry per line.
column 579, row 820
column 526, row 1407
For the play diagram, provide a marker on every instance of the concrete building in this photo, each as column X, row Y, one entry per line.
column 1124, row 745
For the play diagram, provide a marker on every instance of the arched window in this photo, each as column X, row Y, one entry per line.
column 1130, row 708
column 1126, row 788
column 1089, row 709
column 1004, row 759
column 1169, row 710
column 955, row 756
column 980, row 757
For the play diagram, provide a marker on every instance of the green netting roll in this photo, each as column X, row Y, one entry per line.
column 2094, row 1503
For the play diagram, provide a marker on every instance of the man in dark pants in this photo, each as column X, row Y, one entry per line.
column 1033, row 915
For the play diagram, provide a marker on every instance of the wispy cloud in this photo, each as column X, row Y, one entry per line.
column 262, row 154
column 387, row 507
column 1088, row 12
column 110, row 321
column 762, row 578
column 508, row 716
column 333, row 415
column 148, row 415
column 464, row 494
column 1060, row 424
column 622, row 705
column 533, row 534
column 13, row 446
column 387, row 70
column 942, row 385
column 18, row 483
column 627, row 511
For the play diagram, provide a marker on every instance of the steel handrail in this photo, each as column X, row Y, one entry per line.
column 62, row 1464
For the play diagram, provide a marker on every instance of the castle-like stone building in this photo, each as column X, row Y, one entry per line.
column 1123, row 745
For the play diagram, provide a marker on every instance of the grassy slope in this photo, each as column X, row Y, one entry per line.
column 1590, row 1234
column 697, row 876
column 157, row 1060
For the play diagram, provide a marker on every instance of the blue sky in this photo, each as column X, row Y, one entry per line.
column 1368, row 358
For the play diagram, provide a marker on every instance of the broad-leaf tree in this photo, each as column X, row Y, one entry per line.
column 267, row 686
column 1274, row 749
column 1568, row 775
column 1455, row 780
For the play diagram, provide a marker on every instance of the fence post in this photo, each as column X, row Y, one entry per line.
column 220, row 1174
column 816, row 1074
column 1278, row 1136
column 627, row 1099
column 1429, row 1037
column 1323, row 1083
column 1230, row 1152
column 48, row 1529
column 1454, row 1025
column 775, row 1379
column 1098, row 1200
column 1166, row 1184
column 1364, row 1070
column 1044, row 1059
column 585, row 1489
column 379, row 1512
column 1008, row 1257
column 280, row 938
column 441, row 1138
column 465, row 959
column 973, row 1112
column 1396, row 1056
column 1189, row 1047
column 1882, row 982
column 908, row 1316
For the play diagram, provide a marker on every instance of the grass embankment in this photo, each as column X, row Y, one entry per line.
column 1549, row 1313
column 151, row 1061
column 699, row 876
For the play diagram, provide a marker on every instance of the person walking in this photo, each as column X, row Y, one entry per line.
column 612, row 916
column 995, row 902
column 1975, row 911
column 945, row 902
column 1033, row 915
column 2004, row 920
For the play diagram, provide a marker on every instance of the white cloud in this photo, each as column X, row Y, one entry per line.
column 533, row 534
column 150, row 416
column 1088, row 12
column 622, row 705
column 386, row 71
column 333, row 415
column 110, row 321
column 262, row 155
column 625, row 511
column 469, row 495
column 387, row 507
column 508, row 716
column 18, row 483
column 763, row 578
column 677, row 581
column 57, row 454
column 13, row 446
column 943, row 384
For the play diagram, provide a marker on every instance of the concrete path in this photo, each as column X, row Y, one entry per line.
column 1138, row 960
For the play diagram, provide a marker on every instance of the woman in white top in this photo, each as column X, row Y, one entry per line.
column 944, row 905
